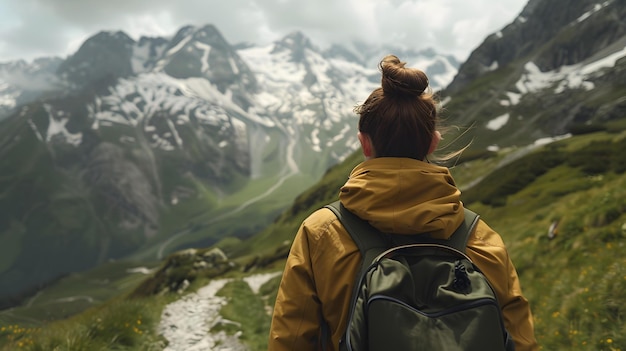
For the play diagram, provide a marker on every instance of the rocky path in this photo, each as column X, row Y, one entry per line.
column 186, row 323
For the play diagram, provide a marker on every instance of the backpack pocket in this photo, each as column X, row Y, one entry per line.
column 395, row 325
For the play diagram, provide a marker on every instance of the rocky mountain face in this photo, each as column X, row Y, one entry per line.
column 147, row 146
column 558, row 68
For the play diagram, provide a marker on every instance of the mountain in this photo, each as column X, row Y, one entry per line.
column 22, row 82
column 136, row 148
column 439, row 68
column 526, row 180
column 557, row 69
column 544, row 179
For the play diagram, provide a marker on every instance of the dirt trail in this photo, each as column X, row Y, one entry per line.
column 186, row 323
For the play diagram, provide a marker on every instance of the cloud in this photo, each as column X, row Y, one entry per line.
column 32, row 28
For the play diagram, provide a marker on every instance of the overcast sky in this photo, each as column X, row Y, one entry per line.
column 35, row 28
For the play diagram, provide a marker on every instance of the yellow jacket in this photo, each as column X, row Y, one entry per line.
column 395, row 195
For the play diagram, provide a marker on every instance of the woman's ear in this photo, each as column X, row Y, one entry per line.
column 366, row 145
column 434, row 142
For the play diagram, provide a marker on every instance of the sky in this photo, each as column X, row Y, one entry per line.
column 37, row 28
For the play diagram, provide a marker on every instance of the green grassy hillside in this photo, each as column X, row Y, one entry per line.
column 576, row 282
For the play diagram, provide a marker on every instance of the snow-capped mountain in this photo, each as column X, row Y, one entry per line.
column 22, row 82
column 439, row 68
column 558, row 68
column 159, row 143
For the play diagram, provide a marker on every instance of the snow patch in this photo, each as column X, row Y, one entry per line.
column 315, row 141
column 565, row 77
column 498, row 122
column 140, row 270
column 596, row 8
column 233, row 65
column 206, row 49
column 548, row 140
column 514, row 98
column 35, row 130
column 178, row 46
column 57, row 127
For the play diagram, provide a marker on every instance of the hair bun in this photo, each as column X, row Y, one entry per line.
column 398, row 80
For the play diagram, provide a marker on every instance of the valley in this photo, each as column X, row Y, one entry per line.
column 181, row 167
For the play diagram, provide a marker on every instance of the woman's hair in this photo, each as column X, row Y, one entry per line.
column 400, row 117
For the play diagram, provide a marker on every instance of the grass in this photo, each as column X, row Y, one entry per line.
column 74, row 294
column 576, row 282
column 248, row 311
column 121, row 324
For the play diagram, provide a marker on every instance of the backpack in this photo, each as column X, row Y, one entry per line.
column 419, row 293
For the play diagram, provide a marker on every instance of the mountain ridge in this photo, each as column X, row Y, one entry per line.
column 150, row 140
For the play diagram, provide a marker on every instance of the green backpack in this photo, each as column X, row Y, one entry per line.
column 418, row 293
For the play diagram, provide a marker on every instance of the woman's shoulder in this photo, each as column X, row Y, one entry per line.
column 485, row 235
column 320, row 222
column 328, row 238
column 320, row 217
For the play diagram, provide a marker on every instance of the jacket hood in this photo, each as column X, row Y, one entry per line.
column 404, row 196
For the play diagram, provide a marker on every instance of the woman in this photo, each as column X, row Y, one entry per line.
column 397, row 191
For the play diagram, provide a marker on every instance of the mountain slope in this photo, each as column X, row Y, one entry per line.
column 549, row 73
column 521, row 174
column 573, row 281
column 159, row 144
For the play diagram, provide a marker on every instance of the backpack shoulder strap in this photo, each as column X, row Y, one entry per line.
column 369, row 241
column 459, row 238
column 367, row 238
